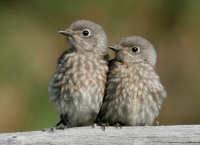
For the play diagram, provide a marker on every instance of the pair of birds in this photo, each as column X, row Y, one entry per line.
column 87, row 88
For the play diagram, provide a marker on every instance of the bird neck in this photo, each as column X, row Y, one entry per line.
column 140, row 63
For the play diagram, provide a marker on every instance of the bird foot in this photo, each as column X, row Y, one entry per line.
column 94, row 125
column 118, row 125
column 157, row 123
column 52, row 129
column 104, row 125
column 63, row 120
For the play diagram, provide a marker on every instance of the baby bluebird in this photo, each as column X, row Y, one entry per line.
column 134, row 93
column 77, row 87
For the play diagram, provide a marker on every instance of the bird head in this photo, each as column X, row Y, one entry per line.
column 85, row 35
column 134, row 49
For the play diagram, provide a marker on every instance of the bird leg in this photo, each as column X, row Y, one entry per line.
column 157, row 123
column 119, row 125
column 94, row 125
column 104, row 125
column 63, row 120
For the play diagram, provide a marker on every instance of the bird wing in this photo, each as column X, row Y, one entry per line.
column 60, row 58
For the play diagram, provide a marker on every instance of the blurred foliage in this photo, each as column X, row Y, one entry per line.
column 30, row 45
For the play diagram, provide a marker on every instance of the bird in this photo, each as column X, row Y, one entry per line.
column 134, row 93
column 77, row 86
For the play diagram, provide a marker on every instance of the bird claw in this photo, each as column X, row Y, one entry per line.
column 157, row 123
column 52, row 129
column 94, row 125
column 118, row 125
column 103, row 126
column 60, row 128
column 63, row 120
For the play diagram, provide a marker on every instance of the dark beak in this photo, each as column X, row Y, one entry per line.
column 117, row 48
column 66, row 32
column 114, row 48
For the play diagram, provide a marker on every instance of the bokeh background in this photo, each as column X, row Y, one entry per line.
column 30, row 45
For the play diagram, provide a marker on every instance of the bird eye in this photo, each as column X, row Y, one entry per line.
column 135, row 49
column 86, row 32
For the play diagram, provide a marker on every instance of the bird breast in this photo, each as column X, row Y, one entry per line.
column 81, row 78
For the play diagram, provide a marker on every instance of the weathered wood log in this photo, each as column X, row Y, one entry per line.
column 183, row 134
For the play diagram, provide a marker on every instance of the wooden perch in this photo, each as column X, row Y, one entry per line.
column 184, row 134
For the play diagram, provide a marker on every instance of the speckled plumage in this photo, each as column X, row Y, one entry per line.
column 134, row 93
column 78, row 84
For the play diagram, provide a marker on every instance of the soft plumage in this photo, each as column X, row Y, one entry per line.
column 78, row 85
column 134, row 93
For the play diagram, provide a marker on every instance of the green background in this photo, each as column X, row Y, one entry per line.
column 30, row 45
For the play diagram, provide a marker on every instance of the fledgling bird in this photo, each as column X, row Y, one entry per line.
column 77, row 87
column 134, row 93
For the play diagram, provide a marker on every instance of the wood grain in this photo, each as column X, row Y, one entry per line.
column 183, row 134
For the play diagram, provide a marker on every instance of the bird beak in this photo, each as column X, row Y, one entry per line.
column 114, row 48
column 117, row 48
column 67, row 32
